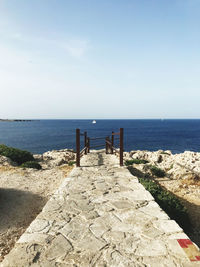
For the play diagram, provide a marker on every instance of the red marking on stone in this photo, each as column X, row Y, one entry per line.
column 184, row 242
column 189, row 249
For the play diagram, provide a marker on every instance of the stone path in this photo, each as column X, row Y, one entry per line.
column 101, row 216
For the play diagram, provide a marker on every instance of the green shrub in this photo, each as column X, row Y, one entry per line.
column 31, row 164
column 165, row 153
column 71, row 163
column 168, row 202
column 157, row 171
column 16, row 155
column 135, row 161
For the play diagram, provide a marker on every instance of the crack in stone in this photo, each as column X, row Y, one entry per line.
column 36, row 258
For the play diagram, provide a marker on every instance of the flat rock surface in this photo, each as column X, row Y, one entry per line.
column 101, row 216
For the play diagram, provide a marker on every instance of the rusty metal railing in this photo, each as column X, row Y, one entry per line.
column 79, row 153
column 109, row 143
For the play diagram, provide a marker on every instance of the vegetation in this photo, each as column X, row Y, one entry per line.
column 135, row 161
column 23, row 158
column 71, row 163
column 16, row 155
column 157, row 171
column 168, row 202
column 31, row 164
column 165, row 153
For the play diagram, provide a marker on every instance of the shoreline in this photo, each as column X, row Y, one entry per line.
column 125, row 152
column 13, row 120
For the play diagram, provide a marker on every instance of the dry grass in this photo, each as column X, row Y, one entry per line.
column 66, row 169
column 12, row 170
column 191, row 181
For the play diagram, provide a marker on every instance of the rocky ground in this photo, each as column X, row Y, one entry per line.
column 182, row 178
column 24, row 192
column 102, row 216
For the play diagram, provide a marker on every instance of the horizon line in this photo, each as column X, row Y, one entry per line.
column 100, row 119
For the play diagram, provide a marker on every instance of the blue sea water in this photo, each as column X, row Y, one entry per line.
column 44, row 135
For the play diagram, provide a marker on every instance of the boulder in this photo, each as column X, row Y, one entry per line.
column 4, row 161
column 58, row 157
column 177, row 166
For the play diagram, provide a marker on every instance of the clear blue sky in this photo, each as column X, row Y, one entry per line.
column 100, row 59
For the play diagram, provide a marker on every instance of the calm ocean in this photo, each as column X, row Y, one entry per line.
column 44, row 135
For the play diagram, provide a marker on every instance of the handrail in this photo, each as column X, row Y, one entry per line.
column 116, row 133
column 116, row 149
column 109, row 143
column 97, row 138
column 79, row 153
column 97, row 146
column 83, row 150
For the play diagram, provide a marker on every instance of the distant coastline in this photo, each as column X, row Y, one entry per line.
column 13, row 120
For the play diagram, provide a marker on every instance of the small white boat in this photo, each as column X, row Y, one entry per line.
column 94, row 121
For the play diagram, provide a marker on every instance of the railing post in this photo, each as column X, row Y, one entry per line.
column 88, row 144
column 112, row 142
column 85, row 142
column 78, row 147
column 107, row 144
column 121, row 146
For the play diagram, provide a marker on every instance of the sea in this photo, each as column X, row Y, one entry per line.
column 39, row 136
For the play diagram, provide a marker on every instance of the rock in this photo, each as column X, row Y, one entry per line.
column 59, row 247
column 59, row 162
column 152, row 157
column 151, row 248
column 160, row 159
column 57, row 157
column 168, row 152
column 4, row 161
column 125, row 228
column 38, row 157
column 177, row 166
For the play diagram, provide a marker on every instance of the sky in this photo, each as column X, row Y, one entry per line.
column 108, row 59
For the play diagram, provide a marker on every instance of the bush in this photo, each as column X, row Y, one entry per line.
column 168, row 202
column 136, row 161
column 165, row 153
column 16, row 155
column 31, row 164
column 157, row 171
column 71, row 163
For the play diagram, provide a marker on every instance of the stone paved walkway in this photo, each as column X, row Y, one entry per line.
column 100, row 216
